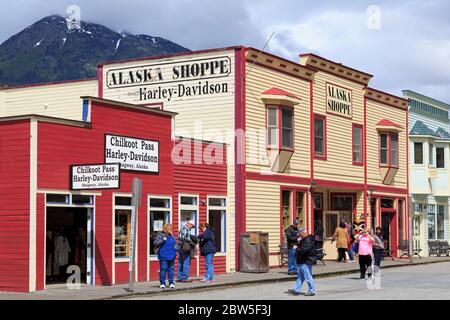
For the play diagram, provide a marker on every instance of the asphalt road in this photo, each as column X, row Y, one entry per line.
column 413, row 282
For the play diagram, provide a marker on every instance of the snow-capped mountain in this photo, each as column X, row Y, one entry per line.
column 50, row 51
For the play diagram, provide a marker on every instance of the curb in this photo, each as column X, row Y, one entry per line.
column 250, row 282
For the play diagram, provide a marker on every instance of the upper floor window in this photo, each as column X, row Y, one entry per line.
column 418, row 153
column 430, row 154
column 440, row 158
column 357, row 144
column 280, row 127
column 389, row 149
column 320, row 137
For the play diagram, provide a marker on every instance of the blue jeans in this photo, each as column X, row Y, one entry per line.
column 350, row 254
column 292, row 261
column 166, row 267
column 209, row 275
column 184, row 266
column 305, row 274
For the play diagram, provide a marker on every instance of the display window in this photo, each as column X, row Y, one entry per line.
column 217, row 209
column 122, row 226
column 188, row 210
column 160, row 211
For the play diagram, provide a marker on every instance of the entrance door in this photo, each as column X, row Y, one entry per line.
column 386, row 229
column 69, row 244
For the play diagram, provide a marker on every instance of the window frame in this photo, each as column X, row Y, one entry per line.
column 121, row 207
column 189, row 207
column 150, row 208
column 223, row 222
column 279, row 113
column 324, row 133
column 361, row 127
column 389, row 163
column 414, row 152
column 443, row 157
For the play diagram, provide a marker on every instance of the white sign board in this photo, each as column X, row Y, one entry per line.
column 133, row 154
column 95, row 176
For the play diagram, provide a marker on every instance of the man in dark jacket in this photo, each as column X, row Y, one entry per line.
column 306, row 257
column 291, row 239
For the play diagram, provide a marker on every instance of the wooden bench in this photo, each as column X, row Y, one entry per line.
column 434, row 248
column 404, row 247
column 444, row 247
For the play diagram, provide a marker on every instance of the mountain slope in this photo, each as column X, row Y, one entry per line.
column 48, row 51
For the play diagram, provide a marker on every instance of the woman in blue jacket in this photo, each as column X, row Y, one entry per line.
column 208, row 249
column 165, row 242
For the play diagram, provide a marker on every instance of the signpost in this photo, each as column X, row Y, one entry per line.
column 136, row 200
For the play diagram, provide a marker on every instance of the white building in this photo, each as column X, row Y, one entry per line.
column 429, row 169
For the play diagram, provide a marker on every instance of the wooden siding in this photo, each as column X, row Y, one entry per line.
column 375, row 112
column 14, row 206
column 260, row 79
column 339, row 165
column 55, row 100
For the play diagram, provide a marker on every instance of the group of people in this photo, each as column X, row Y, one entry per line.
column 365, row 245
column 303, row 251
column 187, row 248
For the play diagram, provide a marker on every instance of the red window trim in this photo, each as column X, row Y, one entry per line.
column 389, row 164
column 294, row 191
column 360, row 126
column 320, row 156
column 280, row 128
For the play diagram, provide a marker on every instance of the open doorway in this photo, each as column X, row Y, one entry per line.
column 67, row 243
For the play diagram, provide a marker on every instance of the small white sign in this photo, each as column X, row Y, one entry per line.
column 158, row 225
column 133, row 154
column 95, row 176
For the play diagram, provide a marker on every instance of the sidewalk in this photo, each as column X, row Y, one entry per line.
column 331, row 268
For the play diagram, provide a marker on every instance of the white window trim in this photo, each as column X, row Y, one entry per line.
column 154, row 257
column 189, row 207
column 223, row 226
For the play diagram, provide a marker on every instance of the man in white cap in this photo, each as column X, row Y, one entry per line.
column 306, row 257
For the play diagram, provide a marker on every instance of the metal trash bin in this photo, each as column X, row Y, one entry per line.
column 254, row 252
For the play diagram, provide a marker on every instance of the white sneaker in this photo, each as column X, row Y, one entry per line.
column 162, row 286
column 172, row 286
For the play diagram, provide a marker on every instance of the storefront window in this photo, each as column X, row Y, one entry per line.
column 159, row 211
column 217, row 220
column 287, row 208
column 431, row 221
column 57, row 198
column 122, row 232
column 341, row 202
column 440, row 222
column 189, row 211
column 400, row 220
column 300, row 214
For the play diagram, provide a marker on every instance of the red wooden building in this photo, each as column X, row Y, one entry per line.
column 38, row 203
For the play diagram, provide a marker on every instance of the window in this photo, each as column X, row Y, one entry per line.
column 318, row 201
column 122, row 229
column 420, row 207
column 341, row 202
column 57, row 198
column 189, row 210
column 432, row 221
column 82, row 199
column 418, row 153
column 440, row 158
column 357, row 144
column 319, row 137
column 217, row 219
column 286, row 201
column 389, row 149
column 159, row 211
column 331, row 221
column 440, row 222
column 276, row 116
column 401, row 234
column 430, row 154
column 300, row 214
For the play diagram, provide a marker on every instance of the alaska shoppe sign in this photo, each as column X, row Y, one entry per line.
column 339, row 101
column 177, row 80
column 95, row 176
column 133, row 154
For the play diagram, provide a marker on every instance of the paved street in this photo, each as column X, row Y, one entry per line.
column 411, row 282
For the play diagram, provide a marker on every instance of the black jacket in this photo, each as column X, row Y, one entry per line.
column 207, row 242
column 306, row 252
column 291, row 236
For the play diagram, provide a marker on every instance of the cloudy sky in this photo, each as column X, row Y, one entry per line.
column 405, row 44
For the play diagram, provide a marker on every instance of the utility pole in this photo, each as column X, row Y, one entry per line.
column 136, row 200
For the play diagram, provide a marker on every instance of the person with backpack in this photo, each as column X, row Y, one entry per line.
column 306, row 257
column 208, row 250
column 291, row 238
column 166, row 248
column 186, row 245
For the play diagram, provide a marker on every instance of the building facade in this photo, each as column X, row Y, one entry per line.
column 310, row 139
column 429, row 141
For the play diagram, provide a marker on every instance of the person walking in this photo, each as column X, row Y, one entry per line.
column 208, row 250
column 341, row 238
column 291, row 238
column 378, row 247
column 365, row 241
column 185, row 248
column 306, row 257
column 166, row 247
